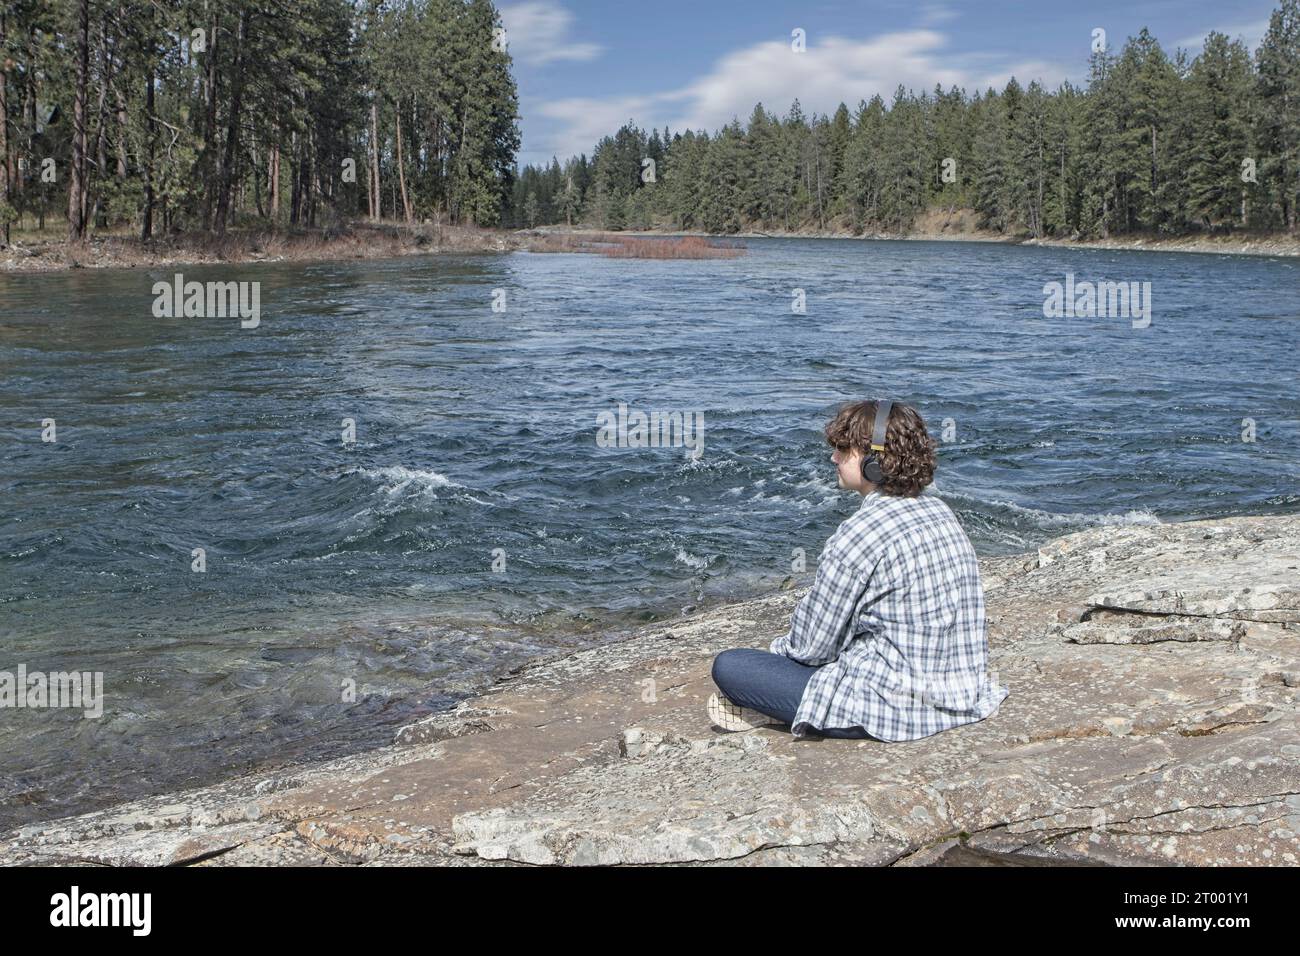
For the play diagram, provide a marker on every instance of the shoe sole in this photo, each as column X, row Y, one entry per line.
column 732, row 717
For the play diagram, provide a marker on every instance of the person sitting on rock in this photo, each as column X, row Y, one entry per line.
column 889, row 643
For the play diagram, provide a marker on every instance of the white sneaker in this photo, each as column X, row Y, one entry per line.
column 727, row 715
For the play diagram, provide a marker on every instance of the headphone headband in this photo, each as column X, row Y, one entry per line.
column 883, row 408
column 871, row 469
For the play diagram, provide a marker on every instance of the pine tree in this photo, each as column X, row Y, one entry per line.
column 1031, row 162
column 761, row 199
column 1215, row 138
column 1278, row 92
column 862, row 175
column 992, row 161
column 724, row 170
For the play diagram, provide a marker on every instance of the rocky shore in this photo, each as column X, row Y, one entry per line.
column 1154, row 718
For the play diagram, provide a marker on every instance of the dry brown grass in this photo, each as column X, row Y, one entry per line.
column 615, row 246
column 682, row 247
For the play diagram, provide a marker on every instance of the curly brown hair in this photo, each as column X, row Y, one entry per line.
column 908, row 460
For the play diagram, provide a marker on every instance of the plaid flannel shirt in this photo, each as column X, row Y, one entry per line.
column 895, row 624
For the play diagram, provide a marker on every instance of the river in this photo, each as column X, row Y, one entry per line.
column 260, row 581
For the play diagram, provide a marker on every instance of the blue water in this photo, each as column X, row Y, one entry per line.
column 476, row 431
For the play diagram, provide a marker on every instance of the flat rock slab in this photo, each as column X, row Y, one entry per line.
column 1153, row 718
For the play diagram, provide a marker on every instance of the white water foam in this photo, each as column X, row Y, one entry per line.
column 398, row 478
column 1049, row 519
column 398, row 481
column 691, row 561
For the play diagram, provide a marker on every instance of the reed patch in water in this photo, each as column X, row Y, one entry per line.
column 615, row 246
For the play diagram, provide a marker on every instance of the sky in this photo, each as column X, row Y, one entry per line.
column 586, row 67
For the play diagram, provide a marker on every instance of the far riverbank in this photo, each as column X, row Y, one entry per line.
column 1273, row 244
column 41, row 253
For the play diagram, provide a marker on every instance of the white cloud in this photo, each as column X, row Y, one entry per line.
column 537, row 33
column 932, row 13
column 833, row 69
column 1251, row 33
column 584, row 120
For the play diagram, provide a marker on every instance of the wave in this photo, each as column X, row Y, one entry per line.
column 399, row 482
column 822, row 486
column 1052, row 519
column 398, row 478
column 691, row 561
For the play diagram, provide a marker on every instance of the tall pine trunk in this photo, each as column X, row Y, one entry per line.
column 309, row 178
column 401, row 171
column 273, row 174
column 101, row 130
column 232, row 127
column 295, row 180
column 4, row 128
column 77, row 174
column 151, row 137
column 375, row 210
column 209, row 124
column 121, row 132
column 29, row 115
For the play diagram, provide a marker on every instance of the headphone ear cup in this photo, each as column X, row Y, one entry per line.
column 871, row 469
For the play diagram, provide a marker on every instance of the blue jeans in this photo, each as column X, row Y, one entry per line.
column 771, row 684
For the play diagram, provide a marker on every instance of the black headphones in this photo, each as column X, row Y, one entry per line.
column 871, row 470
